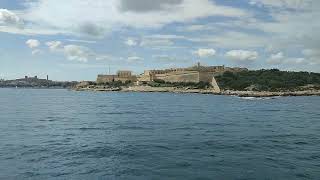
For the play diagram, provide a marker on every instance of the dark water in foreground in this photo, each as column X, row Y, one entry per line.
column 60, row 134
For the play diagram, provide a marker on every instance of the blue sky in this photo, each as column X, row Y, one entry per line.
column 78, row 39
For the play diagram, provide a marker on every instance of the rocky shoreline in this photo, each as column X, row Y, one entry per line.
column 201, row 91
column 271, row 94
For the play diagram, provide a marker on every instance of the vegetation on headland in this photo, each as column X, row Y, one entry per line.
column 115, row 84
column 155, row 83
column 107, row 86
column 162, row 83
column 261, row 83
column 269, row 80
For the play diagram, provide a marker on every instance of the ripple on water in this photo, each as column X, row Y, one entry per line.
column 57, row 134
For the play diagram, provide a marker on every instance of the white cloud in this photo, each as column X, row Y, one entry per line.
column 232, row 39
column 242, row 55
column 296, row 60
column 276, row 58
column 292, row 26
column 91, row 18
column 195, row 27
column 82, row 41
column 33, row 43
column 165, row 36
column 147, row 5
column 131, row 42
column 54, row 45
column 161, row 41
column 156, row 42
column 313, row 56
column 280, row 58
column 203, row 53
column 293, row 4
column 293, row 23
column 36, row 52
column 78, row 53
column 170, row 59
column 134, row 59
column 8, row 18
column 82, row 66
column 311, row 52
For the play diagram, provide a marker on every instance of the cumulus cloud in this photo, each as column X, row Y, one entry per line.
column 232, row 39
column 91, row 19
column 131, row 42
column 292, row 4
column 242, row 55
column 313, row 56
column 33, row 43
column 203, row 53
column 54, row 45
column 311, row 52
column 91, row 29
column 276, row 58
column 292, row 26
column 293, row 23
column 147, row 5
column 78, row 53
column 280, row 58
column 8, row 18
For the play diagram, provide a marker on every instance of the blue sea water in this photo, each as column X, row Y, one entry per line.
column 61, row 134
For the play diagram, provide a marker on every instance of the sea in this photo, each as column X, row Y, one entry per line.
column 64, row 134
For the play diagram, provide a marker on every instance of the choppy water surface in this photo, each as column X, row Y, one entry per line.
column 60, row 134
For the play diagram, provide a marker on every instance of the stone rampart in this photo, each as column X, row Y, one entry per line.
column 179, row 76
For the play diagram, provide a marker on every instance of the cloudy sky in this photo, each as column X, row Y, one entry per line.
column 78, row 39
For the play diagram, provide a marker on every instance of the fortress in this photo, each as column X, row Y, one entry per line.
column 193, row 74
column 123, row 76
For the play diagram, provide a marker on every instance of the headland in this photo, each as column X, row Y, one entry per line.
column 219, row 80
column 36, row 82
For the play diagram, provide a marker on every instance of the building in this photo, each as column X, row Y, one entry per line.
column 34, row 79
column 123, row 76
column 194, row 74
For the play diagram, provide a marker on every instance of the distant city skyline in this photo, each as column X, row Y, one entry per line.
column 77, row 40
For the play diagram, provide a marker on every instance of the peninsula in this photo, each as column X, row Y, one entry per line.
column 36, row 82
column 210, row 80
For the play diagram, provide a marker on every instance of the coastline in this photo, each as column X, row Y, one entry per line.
column 150, row 89
column 271, row 94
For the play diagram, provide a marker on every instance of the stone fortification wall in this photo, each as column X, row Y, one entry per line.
column 144, row 78
column 101, row 79
column 206, row 76
column 179, row 76
column 217, row 70
column 186, row 76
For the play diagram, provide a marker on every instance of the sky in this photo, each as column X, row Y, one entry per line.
column 78, row 39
